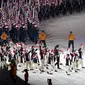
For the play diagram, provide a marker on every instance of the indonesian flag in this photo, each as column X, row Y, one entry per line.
column 56, row 2
column 22, row 44
column 61, row 1
column 23, row 50
column 44, row 1
column 18, row 44
column 14, row 47
column 51, row 1
column 62, row 51
column 10, row 41
column 35, row 46
column 81, row 45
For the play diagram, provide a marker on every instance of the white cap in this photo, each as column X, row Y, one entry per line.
column 5, row 23
column 16, row 25
column 6, row 27
column 23, row 26
column 35, row 25
column 33, row 22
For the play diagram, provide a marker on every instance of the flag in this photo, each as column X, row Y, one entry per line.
column 61, row 1
column 44, row 1
column 56, row 2
column 50, row 1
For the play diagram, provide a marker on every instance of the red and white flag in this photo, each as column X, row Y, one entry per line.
column 61, row 1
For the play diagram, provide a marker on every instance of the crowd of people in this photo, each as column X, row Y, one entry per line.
column 19, row 34
column 40, row 56
column 57, row 7
column 18, row 21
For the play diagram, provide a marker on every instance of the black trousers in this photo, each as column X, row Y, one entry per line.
column 71, row 42
column 26, row 82
column 58, row 60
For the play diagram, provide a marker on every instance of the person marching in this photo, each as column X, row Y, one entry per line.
column 71, row 39
column 50, row 62
column 68, row 63
column 80, row 52
column 33, row 50
column 74, row 60
column 28, row 62
column 57, row 56
column 42, row 55
column 35, row 61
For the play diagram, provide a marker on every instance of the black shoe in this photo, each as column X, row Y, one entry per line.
column 59, row 68
column 46, row 64
column 56, row 71
column 47, row 68
column 31, row 69
column 19, row 65
column 51, row 73
column 76, row 71
column 47, row 72
column 70, row 70
column 83, row 67
column 61, row 64
column 41, row 70
column 34, row 72
column 68, row 74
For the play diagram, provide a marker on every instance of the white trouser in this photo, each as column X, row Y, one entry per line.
column 42, row 64
column 19, row 59
column 69, row 66
column 80, row 62
column 35, row 66
column 28, row 64
column 31, row 65
column 54, row 66
column 2, row 64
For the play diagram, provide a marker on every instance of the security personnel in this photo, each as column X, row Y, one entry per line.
column 71, row 39
column 42, row 37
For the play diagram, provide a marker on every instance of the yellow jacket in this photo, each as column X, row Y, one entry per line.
column 4, row 36
column 42, row 36
column 71, row 37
